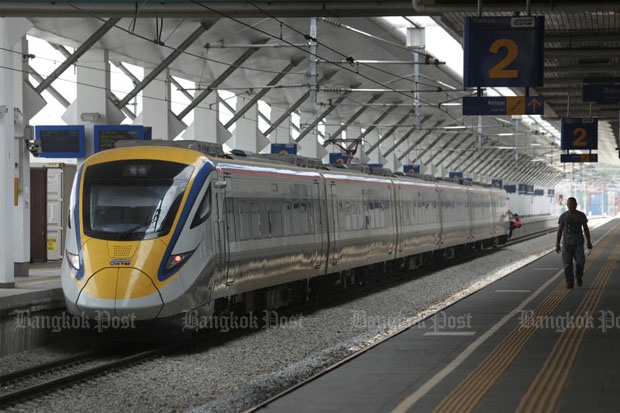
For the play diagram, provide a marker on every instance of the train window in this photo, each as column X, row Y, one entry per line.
column 132, row 207
column 304, row 216
column 295, row 217
column 263, row 210
column 276, row 223
column 243, row 213
column 255, row 215
column 204, row 209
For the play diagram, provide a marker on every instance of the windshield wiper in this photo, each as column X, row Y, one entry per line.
column 133, row 230
column 140, row 227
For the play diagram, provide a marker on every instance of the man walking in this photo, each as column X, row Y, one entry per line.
column 570, row 224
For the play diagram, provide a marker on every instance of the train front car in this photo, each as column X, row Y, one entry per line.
column 138, row 238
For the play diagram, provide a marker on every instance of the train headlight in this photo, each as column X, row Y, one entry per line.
column 177, row 259
column 74, row 260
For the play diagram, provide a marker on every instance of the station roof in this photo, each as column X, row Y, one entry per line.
column 366, row 75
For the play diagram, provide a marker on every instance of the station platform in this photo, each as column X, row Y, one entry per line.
column 40, row 290
column 524, row 343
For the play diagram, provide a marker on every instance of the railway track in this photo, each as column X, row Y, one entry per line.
column 21, row 385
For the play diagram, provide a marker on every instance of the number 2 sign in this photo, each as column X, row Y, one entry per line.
column 579, row 133
column 503, row 51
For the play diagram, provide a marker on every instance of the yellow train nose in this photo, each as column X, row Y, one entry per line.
column 132, row 291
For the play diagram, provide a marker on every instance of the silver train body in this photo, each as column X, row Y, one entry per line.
column 157, row 230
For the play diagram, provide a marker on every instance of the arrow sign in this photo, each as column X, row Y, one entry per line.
column 512, row 105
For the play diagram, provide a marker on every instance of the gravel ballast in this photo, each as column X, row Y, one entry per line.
column 251, row 368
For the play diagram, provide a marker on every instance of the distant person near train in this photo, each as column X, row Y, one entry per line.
column 515, row 222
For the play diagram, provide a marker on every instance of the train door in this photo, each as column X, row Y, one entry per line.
column 334, row 246
column 320, row 255
column 229, row 239
column 440, row 216
column 401, row 211
column 392, row 223
column 471, row 205
column 220, row 230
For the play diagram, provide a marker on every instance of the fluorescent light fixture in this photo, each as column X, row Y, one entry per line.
column 446, row 85
column 455, row 127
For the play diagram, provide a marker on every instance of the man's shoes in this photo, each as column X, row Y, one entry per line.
column 569, row 285
column 579, row 281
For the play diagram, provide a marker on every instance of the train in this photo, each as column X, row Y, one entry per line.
column 156, row 229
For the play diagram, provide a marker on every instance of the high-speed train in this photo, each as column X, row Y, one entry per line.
column 161, row 229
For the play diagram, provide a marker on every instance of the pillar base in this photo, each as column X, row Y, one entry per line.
column 21, row 269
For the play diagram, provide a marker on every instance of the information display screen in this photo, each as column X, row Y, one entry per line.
column 107, row 135
column 58, row 141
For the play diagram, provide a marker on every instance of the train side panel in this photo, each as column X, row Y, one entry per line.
column 455, row 215
column 483, row 221
column 275, row 228
column 420, row 220
column 362, row 221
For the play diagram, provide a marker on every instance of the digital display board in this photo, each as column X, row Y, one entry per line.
column 107, row 135
column 61, row 141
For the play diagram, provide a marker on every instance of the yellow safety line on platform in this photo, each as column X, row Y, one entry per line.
column 468, row 394
column 550, row 302
column 550, row 383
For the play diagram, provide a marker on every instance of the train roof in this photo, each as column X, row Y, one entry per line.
column 220, row 157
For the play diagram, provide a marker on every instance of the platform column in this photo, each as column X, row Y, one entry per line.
column 90, row 105
column 370, row 139
column 309, row 144
column 156, row 109
column 205, row 125
column 21, row 211
column 11, row 33
column 281, row 134
column 331, row 127
column 246, row 135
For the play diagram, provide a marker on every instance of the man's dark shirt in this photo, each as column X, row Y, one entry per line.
column 572, row 227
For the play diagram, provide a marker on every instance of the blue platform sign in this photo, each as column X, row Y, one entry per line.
column 601, row 93
column 578, row 157
column 338, row 158
column 501, row 105
column 284, row 148
column 503, row 51
column 412, row 169
column 551, row 193
column 511, row 189
column 454, row 175
column 497, row 183
column 578, row 133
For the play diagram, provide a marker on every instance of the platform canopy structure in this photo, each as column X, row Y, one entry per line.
column 329, row 76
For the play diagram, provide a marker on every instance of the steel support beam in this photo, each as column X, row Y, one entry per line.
column 203, row 27
column 351, row 119
column 419, row 141
column 262, row 93
column 319, row 118
column 101, row 31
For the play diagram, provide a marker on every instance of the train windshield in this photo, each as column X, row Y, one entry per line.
column 133, row 199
